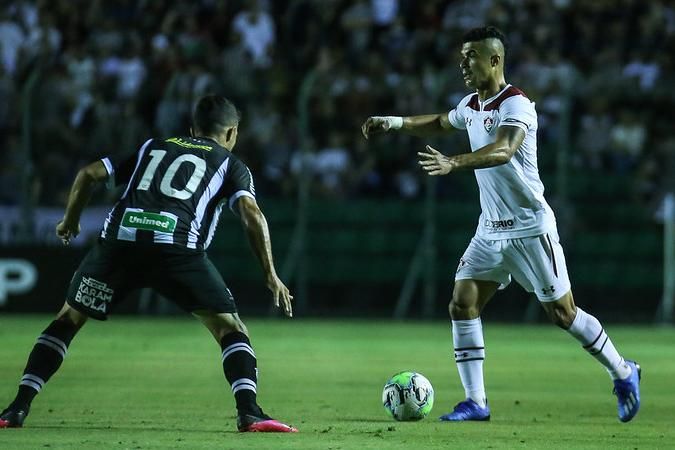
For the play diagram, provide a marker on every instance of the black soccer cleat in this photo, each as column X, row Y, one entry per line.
column 13, row 417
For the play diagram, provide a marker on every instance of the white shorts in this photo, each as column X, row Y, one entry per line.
column 537, row 263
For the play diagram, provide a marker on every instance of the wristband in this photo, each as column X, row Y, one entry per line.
column 394, row 122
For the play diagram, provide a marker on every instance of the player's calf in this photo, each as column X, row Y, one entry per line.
column 44, row 360
column 561, row 312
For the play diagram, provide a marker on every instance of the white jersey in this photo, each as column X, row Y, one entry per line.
column 511, row 195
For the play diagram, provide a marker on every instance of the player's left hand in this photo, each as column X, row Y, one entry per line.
column 434, row 162
column 66, row 232
column 281, row 295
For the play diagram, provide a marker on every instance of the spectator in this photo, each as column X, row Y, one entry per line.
column 644, row 68
column 92, row 71
column 593, row 141
column 626, row 141
column 257, row 31
column 384, row 12
column 12, row 38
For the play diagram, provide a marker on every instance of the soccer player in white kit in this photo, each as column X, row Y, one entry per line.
column 516, row 235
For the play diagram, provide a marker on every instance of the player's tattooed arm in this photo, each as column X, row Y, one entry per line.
column 509, row 138
column 427, row 125
column 258, row 235
column 86, row 180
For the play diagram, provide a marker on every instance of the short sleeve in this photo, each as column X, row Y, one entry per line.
column 238, row 182
column 121, row 168
column 456, row 116
column 456, row 119
column 518, row 111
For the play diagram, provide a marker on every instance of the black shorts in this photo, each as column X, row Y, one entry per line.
column 111, row 270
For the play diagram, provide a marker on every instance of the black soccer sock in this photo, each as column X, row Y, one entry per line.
column 44, row 360
column 239, row 365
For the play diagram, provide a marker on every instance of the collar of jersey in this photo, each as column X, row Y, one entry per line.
column 494, row 97
column 204, row 138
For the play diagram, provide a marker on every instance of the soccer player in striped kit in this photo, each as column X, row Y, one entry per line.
column 516, row 235
column 156, row 236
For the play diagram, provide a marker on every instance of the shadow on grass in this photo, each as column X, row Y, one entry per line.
column 134, row 429
column 370, row 420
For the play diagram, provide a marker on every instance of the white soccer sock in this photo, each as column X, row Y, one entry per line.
column 589, row 332
column 467, row 337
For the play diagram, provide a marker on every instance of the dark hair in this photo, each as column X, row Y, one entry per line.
column 213, row 113
column 481, row 33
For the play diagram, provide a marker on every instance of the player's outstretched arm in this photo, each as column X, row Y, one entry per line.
column 80, row 193
column 509, row 138
column 258, row 234
column 423, row 126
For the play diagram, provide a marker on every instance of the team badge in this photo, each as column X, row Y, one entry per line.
column 488, row 123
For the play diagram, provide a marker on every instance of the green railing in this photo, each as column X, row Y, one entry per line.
column 374, row 241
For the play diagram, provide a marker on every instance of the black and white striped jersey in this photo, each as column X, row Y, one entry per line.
column 175, row 191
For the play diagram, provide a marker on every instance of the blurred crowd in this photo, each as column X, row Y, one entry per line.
column 84, row 78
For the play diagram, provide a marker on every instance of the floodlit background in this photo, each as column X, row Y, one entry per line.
column 357, row 229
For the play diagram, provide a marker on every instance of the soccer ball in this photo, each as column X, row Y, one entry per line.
column 408, row 396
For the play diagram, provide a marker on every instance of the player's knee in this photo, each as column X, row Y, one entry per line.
column 229, row 323
column 463, row 308
column 561, row 315
column 71, row 317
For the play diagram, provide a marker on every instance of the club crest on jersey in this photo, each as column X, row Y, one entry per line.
column 488, row 123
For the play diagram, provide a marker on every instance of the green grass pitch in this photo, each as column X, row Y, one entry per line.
column 145, row 383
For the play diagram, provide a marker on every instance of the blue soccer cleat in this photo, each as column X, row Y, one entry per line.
column 628, row 393
column 467, row 410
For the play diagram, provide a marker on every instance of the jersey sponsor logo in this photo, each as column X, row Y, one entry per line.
column 94, row 294
column 488, row 123
column 186, row 144
column 148, row 221
column 496, row 225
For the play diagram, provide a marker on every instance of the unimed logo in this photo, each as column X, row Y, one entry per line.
column 148, row 221
column 145, row 221
column 17, row 276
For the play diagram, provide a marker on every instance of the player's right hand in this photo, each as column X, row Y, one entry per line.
column 280, row 294
column 66, row 231
column 375, row 125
